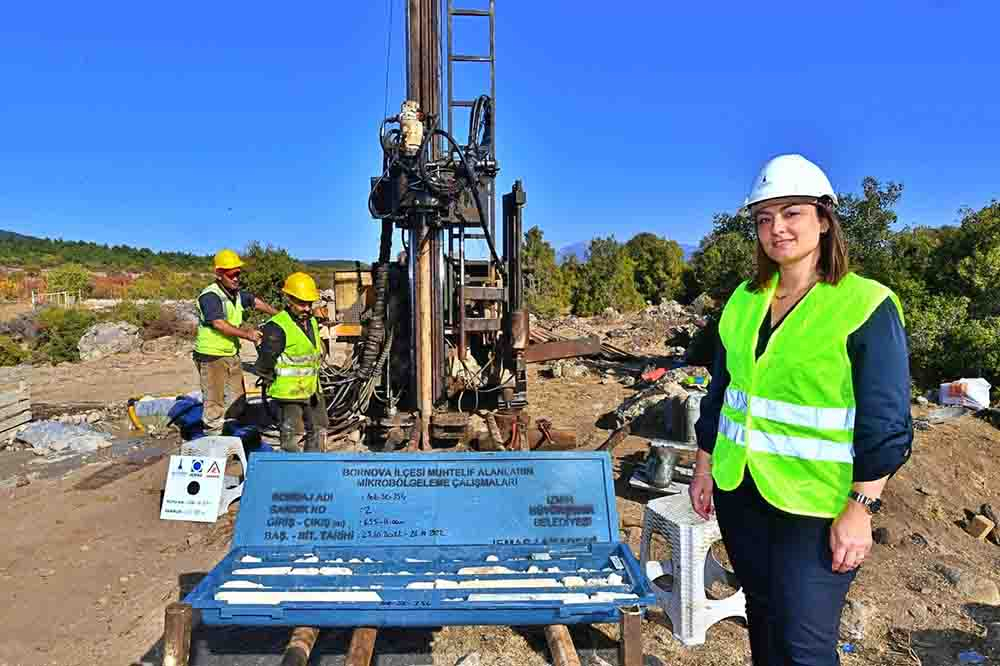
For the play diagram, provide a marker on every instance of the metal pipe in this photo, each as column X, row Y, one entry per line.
column 177, row 634
column 630, row 646
column 461, row 292
column 561, row 646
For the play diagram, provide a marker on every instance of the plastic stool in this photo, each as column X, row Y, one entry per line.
column 692, row 565
column 218, row 446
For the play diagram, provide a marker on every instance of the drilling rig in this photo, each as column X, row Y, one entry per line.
column 447, row 332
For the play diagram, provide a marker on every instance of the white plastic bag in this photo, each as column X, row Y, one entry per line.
column 972, row 393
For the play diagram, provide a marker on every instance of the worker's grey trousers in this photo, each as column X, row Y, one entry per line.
column 303, row 424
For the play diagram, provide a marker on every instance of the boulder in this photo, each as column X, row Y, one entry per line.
column 105, row 339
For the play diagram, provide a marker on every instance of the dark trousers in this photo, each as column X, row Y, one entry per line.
column 307, row 416
column 783, row 562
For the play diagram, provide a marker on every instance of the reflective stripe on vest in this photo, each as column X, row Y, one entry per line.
column 209, row 341
column 789, row 415
column 297, row 369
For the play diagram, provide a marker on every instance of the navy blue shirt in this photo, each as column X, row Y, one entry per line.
column 211, row 304
column 883, row 427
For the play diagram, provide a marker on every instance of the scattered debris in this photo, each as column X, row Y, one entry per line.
column 703, row 304
column 854, row 620
column 978, row 590
column 105, row 339
column 922, row 401
column 880, row 535
column 471, row 659
column 943, row 414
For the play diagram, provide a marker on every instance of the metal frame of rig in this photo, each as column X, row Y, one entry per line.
column 446, row 333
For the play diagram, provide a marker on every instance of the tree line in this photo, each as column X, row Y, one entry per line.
column 947, row 277
column 35, row 254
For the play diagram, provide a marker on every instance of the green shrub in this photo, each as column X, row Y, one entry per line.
column 59, row 333
column 139, row 315
column 11, row 353
column 946, row 343
column 73, row 278
column 167, row 285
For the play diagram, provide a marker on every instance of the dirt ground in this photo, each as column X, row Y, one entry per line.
column 87, row 567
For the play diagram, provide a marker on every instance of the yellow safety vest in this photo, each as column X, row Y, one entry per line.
column 210, row 341
column 789, row 415
column 297, row 370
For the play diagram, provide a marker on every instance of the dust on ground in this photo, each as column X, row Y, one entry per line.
column 88, row 567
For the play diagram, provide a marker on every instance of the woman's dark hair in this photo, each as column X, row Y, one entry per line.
column 833, row 261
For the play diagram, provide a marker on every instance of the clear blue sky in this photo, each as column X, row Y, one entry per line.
column 190, row 125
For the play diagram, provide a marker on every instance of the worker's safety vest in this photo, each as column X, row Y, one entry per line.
column 789, row 415
column 210, row 341
column 297, row 370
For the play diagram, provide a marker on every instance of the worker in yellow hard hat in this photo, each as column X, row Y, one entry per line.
column 289, row 360
column 217, row 345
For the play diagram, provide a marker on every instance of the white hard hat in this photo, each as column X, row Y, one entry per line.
column 790, row 176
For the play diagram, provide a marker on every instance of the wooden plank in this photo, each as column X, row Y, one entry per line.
column 14, row 422
column 13, row 409
column 561, row 646
column 359, row 652
column 8, row 397
column 548, row 351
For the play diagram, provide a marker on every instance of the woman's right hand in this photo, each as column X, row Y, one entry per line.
column 700, row 490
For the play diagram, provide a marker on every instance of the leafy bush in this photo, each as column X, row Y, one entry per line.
column 12, row 353
column 721, row 263
column 167, row 285
column 139, row 315
column 658, row 266
column 606, row 280
column 73, row 278
column 544, row 290
column 59, row 333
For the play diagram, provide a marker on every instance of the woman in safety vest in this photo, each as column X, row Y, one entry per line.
column 289, row 360
column 807, row 417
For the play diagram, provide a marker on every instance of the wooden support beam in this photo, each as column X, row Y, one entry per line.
column 300, row 646
column 359, row 653
column 561, row 646
column 177, row 634
column 548, row 351
column 630, row 645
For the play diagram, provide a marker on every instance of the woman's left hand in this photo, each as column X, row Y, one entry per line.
column 851, row 537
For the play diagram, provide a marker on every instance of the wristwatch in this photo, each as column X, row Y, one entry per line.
column 871, row 505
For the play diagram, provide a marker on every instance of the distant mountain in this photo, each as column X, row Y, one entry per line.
column 10, row 235
column 580, row 251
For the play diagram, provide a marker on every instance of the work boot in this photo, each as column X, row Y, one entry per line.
column 316, row 440
column 289, row 439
